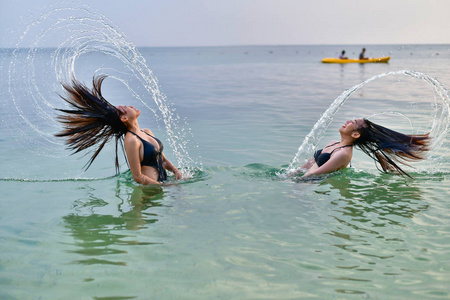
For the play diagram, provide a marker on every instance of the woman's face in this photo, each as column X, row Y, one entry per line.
column 351, row 126
column 128, row 113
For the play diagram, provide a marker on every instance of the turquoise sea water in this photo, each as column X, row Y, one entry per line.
column 235, row 229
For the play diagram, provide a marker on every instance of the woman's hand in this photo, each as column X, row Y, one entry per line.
column 170, row 167
column 292, row 173
column 178, row 174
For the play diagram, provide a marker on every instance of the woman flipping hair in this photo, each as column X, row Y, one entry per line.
column 387, row 147
column 93, row 121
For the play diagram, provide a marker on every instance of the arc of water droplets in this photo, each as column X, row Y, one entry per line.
column 439, row 129
column 97, row 35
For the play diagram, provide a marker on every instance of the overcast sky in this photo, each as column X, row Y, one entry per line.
column 256, row 22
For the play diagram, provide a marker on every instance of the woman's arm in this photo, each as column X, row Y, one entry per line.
column 170, row 167
column 310, row 165
column 132, row 147
column 337, row 161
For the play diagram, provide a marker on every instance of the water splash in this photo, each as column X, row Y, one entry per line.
column 84, row 41
column 438, row 127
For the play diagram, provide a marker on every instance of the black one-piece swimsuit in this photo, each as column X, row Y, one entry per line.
column 152, row 157
column 321, row 158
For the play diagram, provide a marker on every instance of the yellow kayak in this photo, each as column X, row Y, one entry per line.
column 331, row 60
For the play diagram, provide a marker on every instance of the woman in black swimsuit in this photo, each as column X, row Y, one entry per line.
column 387, row 147
column 93, row 121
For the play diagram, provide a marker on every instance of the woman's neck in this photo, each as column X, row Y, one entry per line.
column 134, row 127
column 345, row 140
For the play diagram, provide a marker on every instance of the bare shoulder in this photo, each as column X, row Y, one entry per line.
column 344, row 154
column 131, row 140
column 146, row 130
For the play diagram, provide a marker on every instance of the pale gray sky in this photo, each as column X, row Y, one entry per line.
column 255, row 22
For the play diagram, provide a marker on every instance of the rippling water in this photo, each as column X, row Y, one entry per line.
column 234, row 229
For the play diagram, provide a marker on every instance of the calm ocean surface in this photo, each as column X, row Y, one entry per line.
column 235, row 229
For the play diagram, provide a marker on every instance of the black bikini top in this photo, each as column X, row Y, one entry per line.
column 152, row 156
column 321, row 158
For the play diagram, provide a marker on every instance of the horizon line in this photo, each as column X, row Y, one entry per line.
column 258, row 45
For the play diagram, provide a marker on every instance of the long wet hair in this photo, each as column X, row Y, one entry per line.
column 388, row 147
column 91, row 121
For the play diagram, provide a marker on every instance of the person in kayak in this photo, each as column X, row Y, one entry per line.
column 361, row 55
column 342, row 56
column 93, row 121
column 385, row 146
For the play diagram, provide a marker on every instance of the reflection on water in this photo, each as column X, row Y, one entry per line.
column 97, row 233
column 362, row 77
column 141, row 199
column 369, row 211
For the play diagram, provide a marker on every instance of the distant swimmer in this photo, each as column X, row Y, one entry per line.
column 342, row 56
column 93, row 121
column 361, row 55
column 385, row 146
